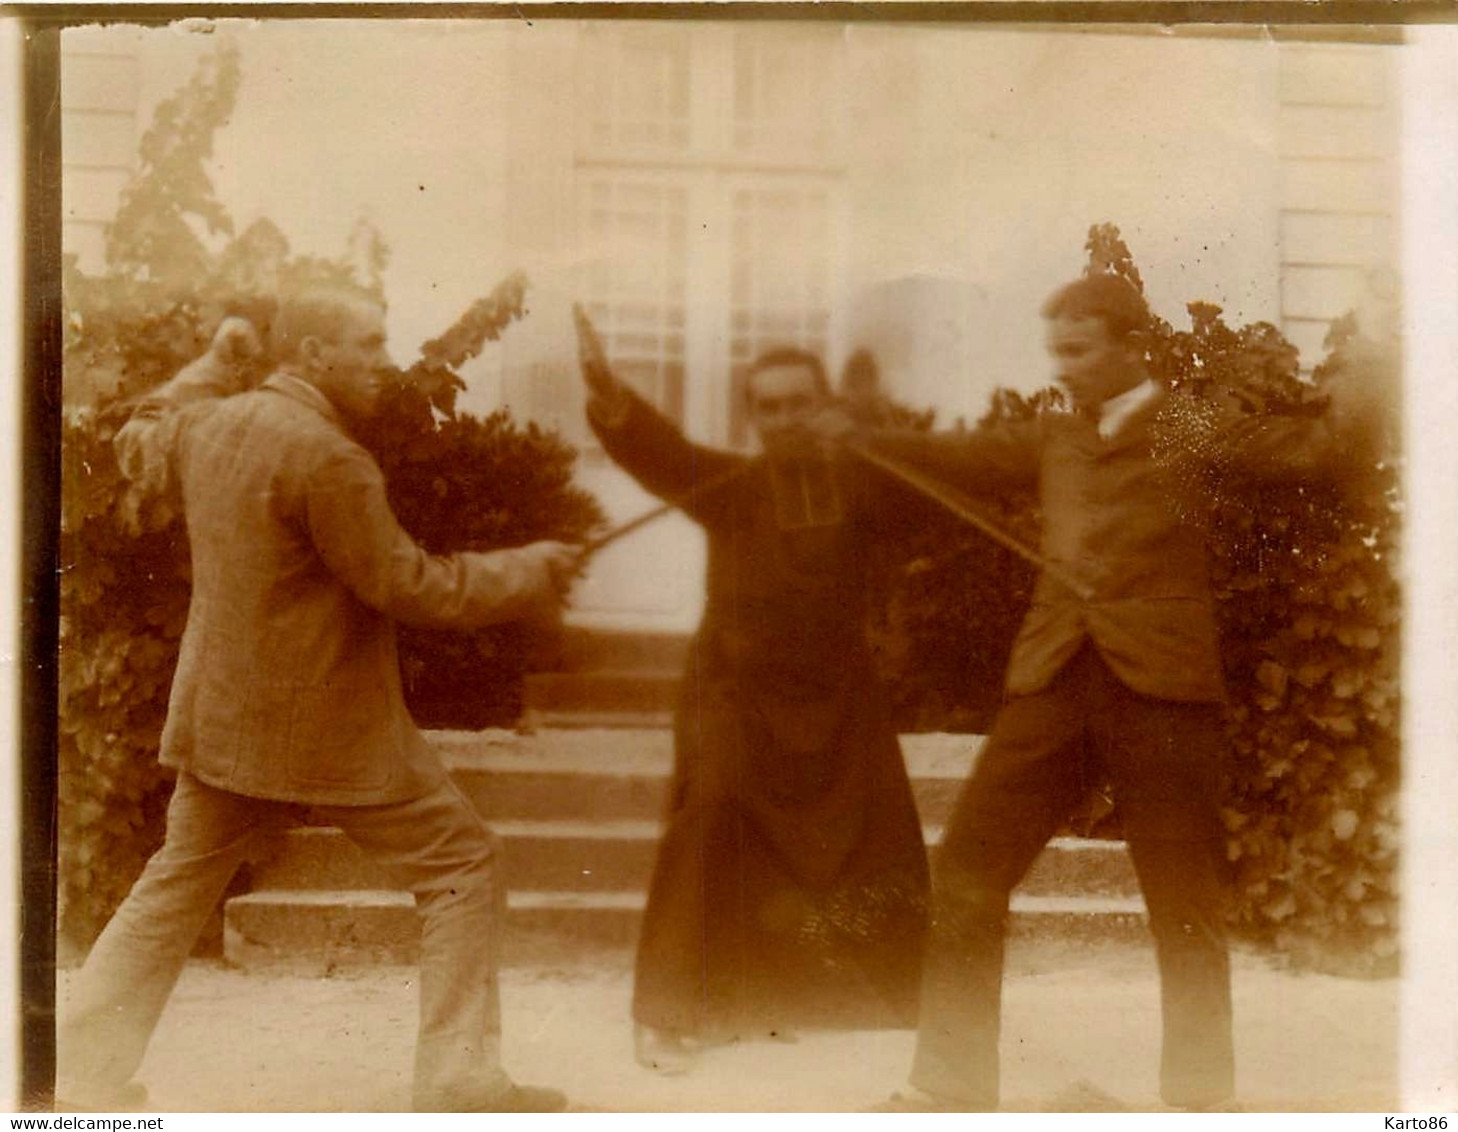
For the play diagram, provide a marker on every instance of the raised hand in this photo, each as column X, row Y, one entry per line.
column 229, row 365
column 596, row 370
column 236, row 342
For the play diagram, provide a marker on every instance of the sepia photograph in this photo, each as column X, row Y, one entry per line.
column 811, row 562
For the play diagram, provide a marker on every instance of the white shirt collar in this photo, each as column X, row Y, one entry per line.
column 1116, row 411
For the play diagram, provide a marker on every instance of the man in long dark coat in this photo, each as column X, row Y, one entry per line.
column 791, row 881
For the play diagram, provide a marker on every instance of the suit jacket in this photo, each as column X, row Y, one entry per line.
column 287, row 684
column 1123, row 519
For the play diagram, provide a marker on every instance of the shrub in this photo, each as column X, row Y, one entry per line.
column 953, row 601
column 461, row 483
column 456, row 483
column 1309, row 602
column 1310, row 607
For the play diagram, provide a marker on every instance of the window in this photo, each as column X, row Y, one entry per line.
column 708, row 181
column 784, row 88
column 637, row 88
column 636, row 290
column 779, row 292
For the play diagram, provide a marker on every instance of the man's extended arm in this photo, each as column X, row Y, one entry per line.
column 987, row 460
column 357, row 535
column 1346, row 439
column 656, row 454
column 639, row 440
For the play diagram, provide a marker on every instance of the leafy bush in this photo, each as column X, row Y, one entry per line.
column 953, row 602
column 124, row 594
column 1310, row 609
column 456, row 483
column 1309, row 605
column 461, row 483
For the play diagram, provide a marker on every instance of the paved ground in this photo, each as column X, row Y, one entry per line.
column 1080, row 1034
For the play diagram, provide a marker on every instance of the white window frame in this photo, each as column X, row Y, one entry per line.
column 711, row 170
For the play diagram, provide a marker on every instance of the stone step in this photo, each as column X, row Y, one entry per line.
column 617, row 856
column 535, row 719
column 324, row 930
column 317, row 931
column 598, row 650
column 552, row 856
column 614, row 774
column 578, row 814
column 630, row 691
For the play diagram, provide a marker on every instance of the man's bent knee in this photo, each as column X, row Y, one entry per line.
column 474, row 873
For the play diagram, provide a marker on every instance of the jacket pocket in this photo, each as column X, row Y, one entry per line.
column 340, row 735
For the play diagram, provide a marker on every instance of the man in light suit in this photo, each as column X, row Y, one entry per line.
column 287, row 696
column 1118, row 656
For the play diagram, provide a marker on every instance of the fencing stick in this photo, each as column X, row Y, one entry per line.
column 677, row 503
column 958, row 505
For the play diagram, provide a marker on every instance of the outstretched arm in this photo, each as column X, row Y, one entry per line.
column 639, row 439
column 988, row 460
column 1347, row 439
column 357, row 535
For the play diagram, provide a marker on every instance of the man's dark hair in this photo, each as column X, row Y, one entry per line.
column 1111, row 299
column 788, row 356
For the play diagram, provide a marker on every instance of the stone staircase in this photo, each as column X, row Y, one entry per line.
column 577, row 805
column 608, row 680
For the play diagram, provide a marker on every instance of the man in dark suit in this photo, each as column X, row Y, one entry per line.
column 1117, row 662
column 287, row 697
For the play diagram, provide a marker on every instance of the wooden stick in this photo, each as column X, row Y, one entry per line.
column 592, row 546
column 956, row 503
column 677, row 503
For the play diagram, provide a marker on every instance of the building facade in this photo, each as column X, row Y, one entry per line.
column 711, row 188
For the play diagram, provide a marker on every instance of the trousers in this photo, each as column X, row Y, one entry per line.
column 436, row 846
column 1163, row 758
